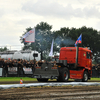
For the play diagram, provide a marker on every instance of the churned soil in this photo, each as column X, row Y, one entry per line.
column 51, row 93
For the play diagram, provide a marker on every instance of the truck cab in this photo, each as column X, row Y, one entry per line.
column 79, row 62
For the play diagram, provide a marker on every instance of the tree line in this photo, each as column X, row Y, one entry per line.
column 65, row 37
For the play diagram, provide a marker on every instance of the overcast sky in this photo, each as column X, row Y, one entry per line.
column 17, row 15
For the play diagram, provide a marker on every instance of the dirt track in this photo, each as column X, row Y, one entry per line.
column 52, row 93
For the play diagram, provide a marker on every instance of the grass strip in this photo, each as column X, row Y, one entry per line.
column 16, row 79
column 34, row 79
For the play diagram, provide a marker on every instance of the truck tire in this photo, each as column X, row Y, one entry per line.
column 85, row 76
column 64, row 75
column 42, row 80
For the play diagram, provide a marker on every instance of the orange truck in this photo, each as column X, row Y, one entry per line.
column 73, row 63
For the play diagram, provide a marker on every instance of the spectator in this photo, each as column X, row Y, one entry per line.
column 1, row 63
column 20, row 68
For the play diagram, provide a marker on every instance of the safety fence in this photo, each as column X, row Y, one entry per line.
column 96, row 73
column 14, row 71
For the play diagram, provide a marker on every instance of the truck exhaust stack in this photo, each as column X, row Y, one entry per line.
column 76, row 64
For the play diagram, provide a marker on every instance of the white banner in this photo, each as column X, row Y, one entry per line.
column 1, row 69
column 27, row 71
column 12, row 70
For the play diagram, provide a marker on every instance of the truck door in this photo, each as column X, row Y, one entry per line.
column 89, row 61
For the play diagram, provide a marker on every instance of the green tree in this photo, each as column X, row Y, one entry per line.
column 43, row 38
column 90, row 37
column 62, row 37
column 3, row 49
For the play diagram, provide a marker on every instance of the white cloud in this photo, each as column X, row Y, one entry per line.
column 55, row 9
column 17, row 15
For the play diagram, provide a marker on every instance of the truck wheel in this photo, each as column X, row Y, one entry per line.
column 42, row 80
column 64, row 74
column 85, row 76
